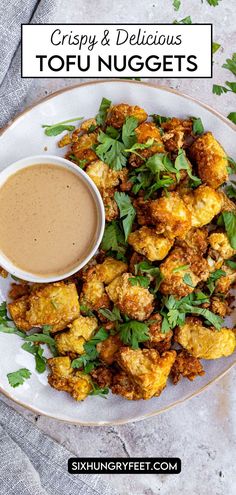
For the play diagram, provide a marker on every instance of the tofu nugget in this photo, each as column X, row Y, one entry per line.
column 102, row 175
column 157, row 339
column 187, row 366
column 204, row 342
column 204, row 203
column 63, row 377
column 182, row 270
column 108, row 348
column 52, row 304
column 82, row 148
column 146, row 369
column 110, row 269
column 211, row 160
column 145, row 132
column 152, row 245
column 72, row 341
column 134, row 301
column 170, row 215
column 175, row 133
column 93, row 293
column 117, row 114
column 219, row 242
column 124, row 386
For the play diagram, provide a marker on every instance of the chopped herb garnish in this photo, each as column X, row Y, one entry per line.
column 81, row 163
column 152, row 271
column 182, row 163
column 113, row 239
column 186, row 20
column 89, row 360
column 213, row 3
column 133, row 332
column 102, row 112
column 113, row 315
column 229, row 221
column 159, row 119
column 101, row 392
column 86, row 310
column 111, row 151
column 18, row 377
column 128, row 131
column 127, row 211
column 55, row 129
column 188, row 280
column 180, row 268
column 197, row 126
column 176, row 4
column 215, row 47
column 231, row 190
column 231, row 264
column 232, row 117
column 231, row 64
column 213, row 278
column 37, row 351
column 140, row 280
column 140, row 146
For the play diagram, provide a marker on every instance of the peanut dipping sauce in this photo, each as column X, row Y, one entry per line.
column 48, row 219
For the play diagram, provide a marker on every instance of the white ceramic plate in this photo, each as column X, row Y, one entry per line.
column 25, row 137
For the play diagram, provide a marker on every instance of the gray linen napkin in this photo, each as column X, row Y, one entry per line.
column 30, row 462
column 33, row 464
column 13, row 13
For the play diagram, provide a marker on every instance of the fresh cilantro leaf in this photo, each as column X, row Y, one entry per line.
column 37, row 351
column 112, row 132
column 55, row 129
column 180, row 268
column 181, row 163
column 6, row 324
column 188, row 280
column 111, row 151
column 113, row 315
column 44, row 338
column 81, row 163
column 133, row 332
column 92, row 128
column 127, row 211
column 128, row 131
column 114, row 239
column 212, row 279
column 232, row 117
column 231, row 191
column 160, row 163
column 176, row 4
column 231, row 264
column 186, row 20
column 140, row 146
column 140, row 280
column 213, row 3
column 212, row 318
column 159, row 119
column 18, row 377
column 232, row 168
column 231, row 64
column 102, row 112
column 229, row 218
column 101, row 392
column 152, row 271
column 197, row 126
column 231, row 85
column 89, row 360
column 219, row 90
column 86, row 310
column 215, row 47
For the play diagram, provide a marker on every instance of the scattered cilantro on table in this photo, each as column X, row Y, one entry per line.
column 176, row 4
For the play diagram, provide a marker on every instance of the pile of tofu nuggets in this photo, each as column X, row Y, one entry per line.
column 175, row 229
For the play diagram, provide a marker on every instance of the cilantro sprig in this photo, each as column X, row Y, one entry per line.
column 37, row 351
column 214, row 276
column 127, row 212
column 228, row 220
column 133, row 332
column 18, row 377
column 140, row 281
column 55, row 129
column 102, row 112
column 114, row 240
column 89, row 360
column 151, row 271
column 99, row 391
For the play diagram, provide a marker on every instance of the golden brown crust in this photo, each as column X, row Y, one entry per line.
column 117, row 114
column 157, row 339
column 187, row 366
column 170, row 215
column 211, row 160
column 102, row 376
column 63, row 377
column 152, row 245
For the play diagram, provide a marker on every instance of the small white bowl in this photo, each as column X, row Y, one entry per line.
column 62, row 162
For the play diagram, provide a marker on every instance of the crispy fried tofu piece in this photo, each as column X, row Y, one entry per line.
column 170, row 215
column 93, row 293
column 158, row 340
column 204, row 342
column 19, row 290
column 196, row 239
column 152, row 245
column 187, row 366
column 102, row 175
column 219, row 242
column 102, row 376
column 211, row 160
column 147, row 369
column 110, row 269
column 124, row 386
column 175, row 133
column 144, row 132
column 82, row 148
column 204, row 203
column 52, row 304
column 227, row 205
column 117, row 114
column 182, row 270
column 72, row 341
column 108, row 348
column 219, row 306
column 63, row 377
column 141, row 206
column 224, row 283
column 134, row 301
column 110, row 205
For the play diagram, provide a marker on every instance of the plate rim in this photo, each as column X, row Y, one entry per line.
column 216, row 378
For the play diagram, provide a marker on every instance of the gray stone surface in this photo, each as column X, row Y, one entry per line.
column 201, row 431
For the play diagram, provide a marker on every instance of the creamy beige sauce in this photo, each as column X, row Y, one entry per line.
column 48, row 219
